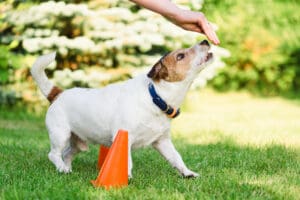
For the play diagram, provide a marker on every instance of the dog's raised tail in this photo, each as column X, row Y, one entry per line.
column 48, row 89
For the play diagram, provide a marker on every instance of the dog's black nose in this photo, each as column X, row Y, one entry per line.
column 204, row 42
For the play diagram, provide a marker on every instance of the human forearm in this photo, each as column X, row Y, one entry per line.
column 163, row 7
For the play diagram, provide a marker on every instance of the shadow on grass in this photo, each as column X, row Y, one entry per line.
column 228, row 171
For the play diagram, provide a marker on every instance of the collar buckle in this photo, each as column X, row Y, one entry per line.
column 159, row 102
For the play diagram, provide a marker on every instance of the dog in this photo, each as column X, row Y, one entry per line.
column 144, row 106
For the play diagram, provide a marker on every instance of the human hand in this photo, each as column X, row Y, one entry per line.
column 194, row 21
column 186, row 19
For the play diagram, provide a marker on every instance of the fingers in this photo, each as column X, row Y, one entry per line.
column 213, row 36
column 197, row 22
column 192, row 27
column 208, row 30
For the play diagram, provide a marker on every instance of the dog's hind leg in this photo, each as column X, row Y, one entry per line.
column 75, row 147
column 60, row 135
column 57, row 147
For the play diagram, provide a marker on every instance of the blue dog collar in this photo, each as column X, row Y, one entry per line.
column 157, row 100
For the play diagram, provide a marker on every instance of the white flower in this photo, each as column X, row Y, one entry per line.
column 78, row 75
column 63, row 51
column 31, row 45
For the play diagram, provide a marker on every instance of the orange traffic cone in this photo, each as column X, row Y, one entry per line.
column 103, row 150
column 114, row 172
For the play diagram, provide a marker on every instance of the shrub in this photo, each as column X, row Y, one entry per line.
column 264, row 40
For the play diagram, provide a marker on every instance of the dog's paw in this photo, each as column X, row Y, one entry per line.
column 64, row 169
column 190, row 174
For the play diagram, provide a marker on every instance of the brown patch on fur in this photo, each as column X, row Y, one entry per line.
column 158, row 71
column 170, row 68
column 55, row 91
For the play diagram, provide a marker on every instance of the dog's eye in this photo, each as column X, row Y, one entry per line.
column 180, row 56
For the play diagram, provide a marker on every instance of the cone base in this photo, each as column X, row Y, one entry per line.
column 107, row 187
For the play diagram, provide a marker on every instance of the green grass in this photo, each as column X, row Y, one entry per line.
column 244, row 148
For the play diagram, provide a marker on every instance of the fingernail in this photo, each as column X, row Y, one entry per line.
column 217, row 42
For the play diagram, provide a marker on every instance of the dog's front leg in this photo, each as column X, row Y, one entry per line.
column 168, row 151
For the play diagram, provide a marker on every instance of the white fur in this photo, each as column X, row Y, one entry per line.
column 95, row 115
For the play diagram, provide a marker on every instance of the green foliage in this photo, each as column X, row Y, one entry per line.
column 7, row 98
column 264, row 40
column 8, row 63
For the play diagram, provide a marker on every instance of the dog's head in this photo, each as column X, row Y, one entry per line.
column 177, row 65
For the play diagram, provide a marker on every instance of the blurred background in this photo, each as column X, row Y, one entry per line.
column 103, row 41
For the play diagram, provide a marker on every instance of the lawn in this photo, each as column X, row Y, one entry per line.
column 244, row 147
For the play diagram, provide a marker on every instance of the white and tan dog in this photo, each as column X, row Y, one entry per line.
column 143, row 105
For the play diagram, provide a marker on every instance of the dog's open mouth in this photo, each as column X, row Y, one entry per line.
column 208, row 57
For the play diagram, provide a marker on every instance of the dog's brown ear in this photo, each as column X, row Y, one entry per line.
column 158, row 72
